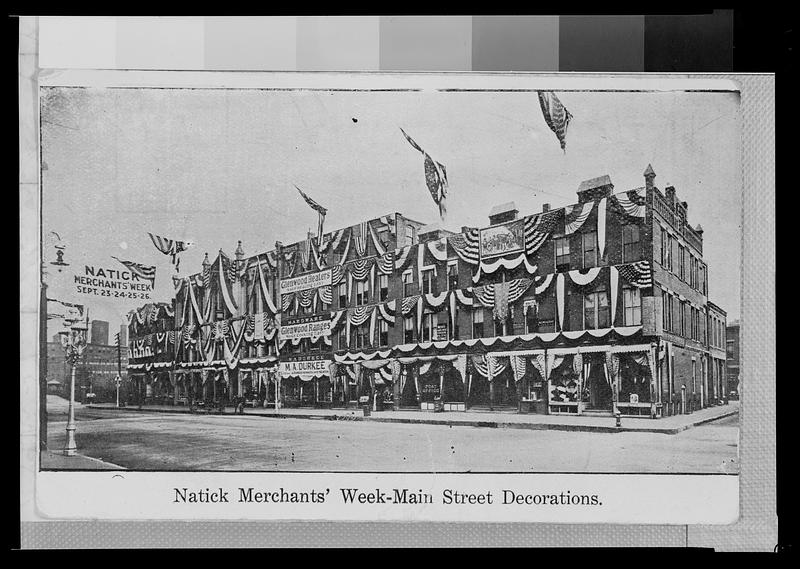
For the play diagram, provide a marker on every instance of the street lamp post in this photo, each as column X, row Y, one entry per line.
column 74, row 343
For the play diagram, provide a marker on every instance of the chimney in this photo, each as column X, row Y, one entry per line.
column 669, row 191
column 239, row 252
column 206, row 262
column 595, row 188
column 503, row 213
column 649, row 177
column 545, row 207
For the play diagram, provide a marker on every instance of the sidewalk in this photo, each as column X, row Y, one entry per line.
column 507, row 420
column 55, row 460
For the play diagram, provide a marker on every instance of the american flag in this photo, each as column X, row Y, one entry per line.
column 141, row 271
column 435, row 177
column 169, row 246
column 556, row 116
column 638, row 274
column 319, row 209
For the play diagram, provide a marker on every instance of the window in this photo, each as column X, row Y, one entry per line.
column 632, row 305
column 631, row 250
column 596, row 310
column 429, row 323
column 669, row 252
column 383, row 286
column 664, row 310
column 410, row 235
column 408, row 280
column 663, row 247
column 361, row 336
column 342, row 294
column 428, row 282
column 408, row 329
column 589, row 249
column 456, row 333
column 362, row 292
column 477, row 323
column 452, row 275
column 383, row 236
column 383, row 333
column 682, row 261
column 531, row 308
column 562, row 253
column 341, row 337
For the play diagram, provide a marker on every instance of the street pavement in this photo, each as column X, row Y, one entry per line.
column 178, row 441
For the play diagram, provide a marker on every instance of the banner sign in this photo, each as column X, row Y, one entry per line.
column 305, row 282
column 503, row 239
column 305, row 369
column 112, row 283
column 313, row 327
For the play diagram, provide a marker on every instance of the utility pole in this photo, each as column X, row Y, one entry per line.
column 118, row 379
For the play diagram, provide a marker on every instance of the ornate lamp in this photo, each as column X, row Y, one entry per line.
column 73, row 340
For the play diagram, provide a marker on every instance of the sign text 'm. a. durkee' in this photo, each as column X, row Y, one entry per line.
column 305, row 368
column 112, row 283
column 305, row 282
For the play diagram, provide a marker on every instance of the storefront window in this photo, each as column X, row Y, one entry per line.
column 564, row 383
column 634, row 378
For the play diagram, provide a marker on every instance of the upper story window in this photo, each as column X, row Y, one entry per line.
column 590, row 249
column 362, row 292
column 410, row 233
column 383, row 287
column 383, row 236
column 341, row 289
column 361, row 336
column 477, row 323
column 596, row 310
column 429, row 322
column 341, row 338
column 452, row 275
column 562, row 253
column 669, row 253
column 408, row 280
column 429, row 282
column 383, row 333
column 631, row 248
column 632, row 306
column 682, row 261
column 408, row 329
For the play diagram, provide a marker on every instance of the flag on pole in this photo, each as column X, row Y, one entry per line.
column 319, row 209
column 435, row 177
column 556, row 116
column 170, row 247
column 141, row 271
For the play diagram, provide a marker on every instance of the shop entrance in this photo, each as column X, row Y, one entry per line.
column 598, row 395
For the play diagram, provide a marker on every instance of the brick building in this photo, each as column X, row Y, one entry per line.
column 598, row 307
column 98, row 332
column 95, row 371
column 717, row 375
column 732, row 357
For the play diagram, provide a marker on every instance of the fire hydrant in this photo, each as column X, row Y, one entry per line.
column 618, row 418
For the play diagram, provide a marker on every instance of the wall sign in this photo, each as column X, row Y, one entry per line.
column 503, row 239
column 305, row 282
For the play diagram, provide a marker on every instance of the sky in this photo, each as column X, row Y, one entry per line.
column 217, row 166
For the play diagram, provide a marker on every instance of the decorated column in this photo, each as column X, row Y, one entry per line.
column 174, row 383
column 357, row 372
column 396, row 384
column 577, row 366
column 490, row 377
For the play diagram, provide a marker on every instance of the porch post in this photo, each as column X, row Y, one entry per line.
column 547, row 381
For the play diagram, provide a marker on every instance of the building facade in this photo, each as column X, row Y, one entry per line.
column 732, row 358
column 95, row 371
column 717, row 377
column 99, row 332
column 595, row 308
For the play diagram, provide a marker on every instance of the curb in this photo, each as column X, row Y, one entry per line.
column 450, row 423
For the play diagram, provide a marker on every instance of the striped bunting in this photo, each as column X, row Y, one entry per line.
column 573, row 223
column 408, row 304
column 386, row 263
column 638, row 274
column 387, row 311
column 403, row 256
column 537, row 229
column 467, row 245
column 141, row 271
column 556, row 116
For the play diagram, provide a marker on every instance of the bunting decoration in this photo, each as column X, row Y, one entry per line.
column 170, row 247
column 556, row 116
column 482, row 367
column 361, row 238
column 438, row 249
column 638, row 274
column 435, row 178
column 614, row 278
column 403, row 256
column 634, row 204
column 380, row 248
column 224, row 266
column 560, row 299
column 545, row 283
column 573, row 223
column 499, row 296
column 490, row 267
column 142, row 271
column 336, row 318
column 467, row 245
column 407, row 304
column 538, row 228
column 360, row 268
column 337, row 272
column 585, row 277
column 601, row 226
column 386, row 263
column 319, row 209
column 387, row 311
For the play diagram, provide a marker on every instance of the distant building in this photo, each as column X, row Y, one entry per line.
column 95, row 372
column 732, row 356
column 717, row 376
column 99, row 332
column 123, row 335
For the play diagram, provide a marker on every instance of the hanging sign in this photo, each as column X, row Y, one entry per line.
column 503, row 239
column 305, row 282
column 112, row 283
column 310, row 327
column 305, row 369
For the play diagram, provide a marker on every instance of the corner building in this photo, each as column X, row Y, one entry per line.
column 595, row 308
